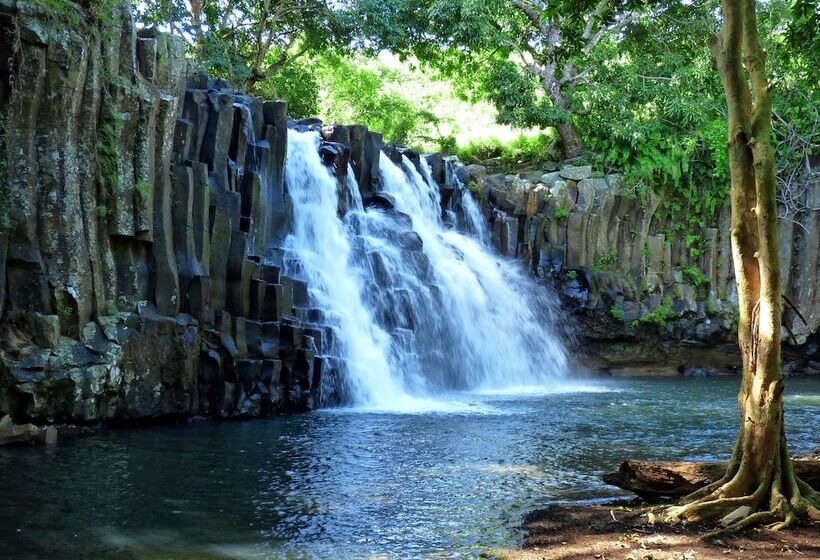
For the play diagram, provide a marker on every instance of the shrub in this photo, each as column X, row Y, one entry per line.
column 659, row 316
column 694, row 276
column 605, row 262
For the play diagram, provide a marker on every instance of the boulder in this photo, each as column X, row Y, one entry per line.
column 572, row 173
column 549, row 178
column 472, row 173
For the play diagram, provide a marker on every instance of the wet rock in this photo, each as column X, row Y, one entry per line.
column 472, row 173
column 381, row 200
column 335, row 156
column 437, row 171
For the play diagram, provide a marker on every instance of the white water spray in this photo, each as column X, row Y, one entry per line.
column 417, row 309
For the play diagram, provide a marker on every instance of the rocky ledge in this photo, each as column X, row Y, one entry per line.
column 643, row 299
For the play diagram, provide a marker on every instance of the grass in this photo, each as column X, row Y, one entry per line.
column 518, row 153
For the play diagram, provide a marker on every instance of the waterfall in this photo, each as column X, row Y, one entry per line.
column 417, row 309
column 321, row 245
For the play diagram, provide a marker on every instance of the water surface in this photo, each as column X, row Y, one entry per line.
column 353, row 484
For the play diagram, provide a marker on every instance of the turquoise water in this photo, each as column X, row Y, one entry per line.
column 347, row 484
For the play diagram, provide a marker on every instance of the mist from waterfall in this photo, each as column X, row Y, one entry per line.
column 417, row 309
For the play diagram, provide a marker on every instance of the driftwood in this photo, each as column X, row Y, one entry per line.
column 652, row 480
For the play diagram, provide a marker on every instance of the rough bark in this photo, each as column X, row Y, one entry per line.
column 760, row 476
column 571, row 142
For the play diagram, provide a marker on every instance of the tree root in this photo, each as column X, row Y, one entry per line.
column 746, row 522
column 715, row 505
column 768, row 502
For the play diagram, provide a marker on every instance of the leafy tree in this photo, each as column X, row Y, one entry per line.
column 246, row 41
column 298, row 83
column 530, row 57
column 355, row 92
column 760, row 483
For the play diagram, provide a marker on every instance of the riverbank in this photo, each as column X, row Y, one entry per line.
column 626, row 531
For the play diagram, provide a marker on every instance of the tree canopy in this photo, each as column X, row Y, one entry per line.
column 628, row 85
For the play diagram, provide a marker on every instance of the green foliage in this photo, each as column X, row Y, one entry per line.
column 515, row 95
column 61, row 12
column 358, row 93
column 447, row 144
column 572, row 274
column 605, row 262
column 657, row 113
column 694, row 276
column 297, row 84
column 659, row 317
column 523, row 151
column 247, row 42
column 71, row 14
column 111, row 308
column 560, row 212
column 617, row 313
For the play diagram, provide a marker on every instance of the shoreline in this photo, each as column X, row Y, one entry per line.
column 75, row 430
column 626, row 530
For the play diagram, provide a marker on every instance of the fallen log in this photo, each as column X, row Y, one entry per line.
column 653, row 480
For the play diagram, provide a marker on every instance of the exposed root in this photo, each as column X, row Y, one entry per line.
column 780, row 497
column 715, row 505
column 745, row 523
column 707, row 490
column 710, row 489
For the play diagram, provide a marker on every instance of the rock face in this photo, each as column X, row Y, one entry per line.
column 647, row 300
column 140, row 268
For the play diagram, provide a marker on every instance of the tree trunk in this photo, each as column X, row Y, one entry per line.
column 760, row 482
column 572, row 144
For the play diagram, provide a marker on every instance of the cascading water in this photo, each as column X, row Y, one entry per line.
column 494, row 318
column 417, row 309
column 320, row 243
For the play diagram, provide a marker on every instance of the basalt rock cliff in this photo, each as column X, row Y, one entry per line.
column 145, row 207
column 644, row 300
column 141, row 230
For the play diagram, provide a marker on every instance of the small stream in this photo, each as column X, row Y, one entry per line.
column 353, row 484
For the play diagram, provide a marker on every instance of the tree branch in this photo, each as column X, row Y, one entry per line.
column 531, row 13
column 611, row 29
